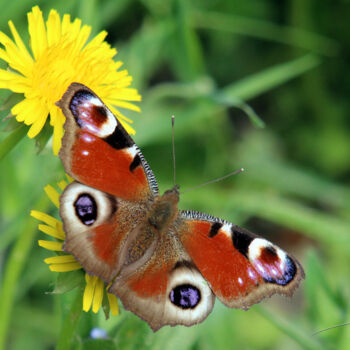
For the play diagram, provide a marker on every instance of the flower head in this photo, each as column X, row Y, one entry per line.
column 62, row 262
column 60, row 55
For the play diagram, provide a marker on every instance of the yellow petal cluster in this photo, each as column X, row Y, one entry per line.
column 59, row 55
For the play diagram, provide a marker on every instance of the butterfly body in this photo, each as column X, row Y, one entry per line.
column 165, row 265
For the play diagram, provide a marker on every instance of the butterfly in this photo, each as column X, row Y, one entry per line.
column 165, row 265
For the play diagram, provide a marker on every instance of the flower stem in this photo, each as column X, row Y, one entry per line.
column 16, row 261
column 12, row 140
column 70, row 322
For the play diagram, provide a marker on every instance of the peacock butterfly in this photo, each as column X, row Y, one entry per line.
column 165, row 265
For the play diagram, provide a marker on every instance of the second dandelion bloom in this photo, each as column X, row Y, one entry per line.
column 95, row 289
column 61, row 54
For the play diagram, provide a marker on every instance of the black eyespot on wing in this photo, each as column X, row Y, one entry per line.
column 271, row 251
column 102, row 111
column 241, row 241
column 86, row 209
column 215, row 227
column 185, row 296
column 119, row 139
column 135, row 163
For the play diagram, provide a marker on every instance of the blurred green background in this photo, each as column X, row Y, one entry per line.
column 224, row 69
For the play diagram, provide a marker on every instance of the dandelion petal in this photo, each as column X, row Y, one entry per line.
column 89, row 291
column 51, row 245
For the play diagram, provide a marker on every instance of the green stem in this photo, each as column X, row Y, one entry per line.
column 12, row 140
column 70, row 322
column 17, row 260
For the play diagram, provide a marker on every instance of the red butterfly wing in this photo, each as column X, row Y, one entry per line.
column 98, row 152
column 241, row 268
column 97, row 225
column 163, row 287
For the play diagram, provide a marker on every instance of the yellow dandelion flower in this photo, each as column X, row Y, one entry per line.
column 95, row 288
column 60, row 55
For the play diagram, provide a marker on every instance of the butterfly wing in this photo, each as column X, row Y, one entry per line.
column 113, row 183
column 97, row 226
column 98, row 152
column 241, row 267
column 163, row 287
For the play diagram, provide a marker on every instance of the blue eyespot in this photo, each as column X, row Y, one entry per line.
column 86, row 209
column 185, row 296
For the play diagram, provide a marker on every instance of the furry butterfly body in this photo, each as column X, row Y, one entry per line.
column 165, row 265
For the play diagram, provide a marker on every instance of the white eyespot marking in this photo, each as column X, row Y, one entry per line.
column 281, row 254
column 240, row 281
column 95, row 101
column 108, row 127
column 256, row 247
column 72, row 218
column 92, row 114
column 189, row 298
column 271, row 262
column 226, row 229
column 85, row 153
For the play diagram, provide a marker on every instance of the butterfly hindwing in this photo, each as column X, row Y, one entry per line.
column 97, row 226
column 97, row 151
column 164, row 288
column 241, row 267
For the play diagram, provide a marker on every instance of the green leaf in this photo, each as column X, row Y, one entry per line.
column 43, row 137
column 110, row 10
column 146, row 49
column 10, row 101
column 10, row 123
column 70, row 322
column 326, row 307
column 17, row 259
column 270, row 78
column 10, row 142
column 87, row 12
column 204, row 86
column 292, row 329
column 260, row 149
column 66, row 281
column 131, row 333
column 186, row 54
column 233, row 101
column 267, row 30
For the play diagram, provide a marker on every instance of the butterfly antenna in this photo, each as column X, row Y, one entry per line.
column 173, row 145
column 327, row 329
column 215, row 180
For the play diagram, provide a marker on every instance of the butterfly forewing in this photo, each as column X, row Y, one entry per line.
column 97, row 151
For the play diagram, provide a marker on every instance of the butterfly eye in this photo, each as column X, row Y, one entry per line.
column 185, row 296
column 86, row 209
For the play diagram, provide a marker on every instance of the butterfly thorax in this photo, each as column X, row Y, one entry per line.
column 164, row 210
column 161, row 215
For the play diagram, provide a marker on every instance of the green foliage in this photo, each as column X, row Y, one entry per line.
column 225, row 69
